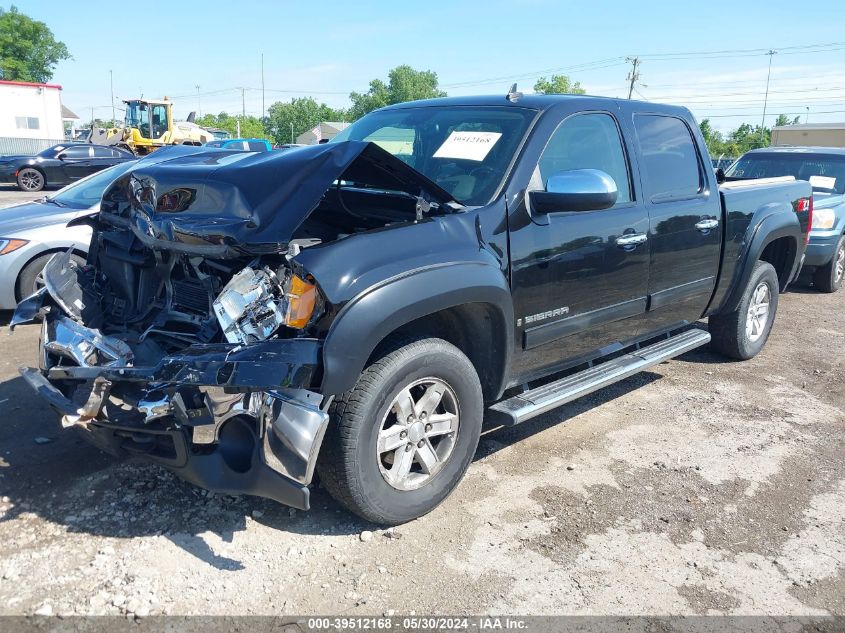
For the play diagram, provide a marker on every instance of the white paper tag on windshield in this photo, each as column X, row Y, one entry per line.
column 468, row 145
column 823, row 182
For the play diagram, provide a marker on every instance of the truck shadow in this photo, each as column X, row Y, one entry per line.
column 50, row 474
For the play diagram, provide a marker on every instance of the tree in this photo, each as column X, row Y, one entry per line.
column 558, row 85
column 286, row 121
column 713, row 138
column 251, row 126
column 785, row 120
column 404, row 84
column 28, row 50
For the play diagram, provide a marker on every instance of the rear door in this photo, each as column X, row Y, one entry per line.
column 685, row 223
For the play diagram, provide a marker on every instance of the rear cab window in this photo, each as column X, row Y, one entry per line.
column 671, row 165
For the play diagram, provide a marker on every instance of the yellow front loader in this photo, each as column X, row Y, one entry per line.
column 149, row 125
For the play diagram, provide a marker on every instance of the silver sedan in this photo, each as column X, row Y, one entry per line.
column 31, row 233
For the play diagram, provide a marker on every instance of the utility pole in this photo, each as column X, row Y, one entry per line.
column 633, row 76
column 111, row 86
column 243, row 103
column 199, row 105
column 807, row 118
column 292, row 140
column 262, row 87
column 771, row 54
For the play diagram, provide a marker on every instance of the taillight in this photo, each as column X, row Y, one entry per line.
column 806, row 204
column 809, row 221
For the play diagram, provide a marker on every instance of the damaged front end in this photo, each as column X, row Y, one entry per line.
column 227, row 416
column 192, row 337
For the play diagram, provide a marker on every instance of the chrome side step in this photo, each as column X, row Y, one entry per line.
column 537, row 401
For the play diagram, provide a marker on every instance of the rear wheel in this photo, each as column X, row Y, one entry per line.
column 401, row 440
column 742, row 333
column 829, row 277
column 31, row 179
column 30, row 280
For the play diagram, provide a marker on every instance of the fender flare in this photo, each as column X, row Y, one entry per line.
column 383, row 308
column 772, row 227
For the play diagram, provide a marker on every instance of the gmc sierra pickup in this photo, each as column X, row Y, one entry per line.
column 358, row 308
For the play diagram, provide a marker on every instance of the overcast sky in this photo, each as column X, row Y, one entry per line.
column 709, row 56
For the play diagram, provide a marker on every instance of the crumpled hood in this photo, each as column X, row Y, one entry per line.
column 223, row 204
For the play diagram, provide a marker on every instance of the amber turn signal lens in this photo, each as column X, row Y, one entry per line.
column 302, row 297
column 7, row 246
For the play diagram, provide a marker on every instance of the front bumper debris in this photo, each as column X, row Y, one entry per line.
column 230, row 418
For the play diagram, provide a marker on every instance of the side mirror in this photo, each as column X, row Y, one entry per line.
column 61, row 156
column 720, row 175
column 575, row 190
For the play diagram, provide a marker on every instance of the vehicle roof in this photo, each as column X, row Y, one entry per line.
column 795, row 149
column 533, row 101
column 230, row 140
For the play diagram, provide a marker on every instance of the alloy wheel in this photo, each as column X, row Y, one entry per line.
column 31, row 180
column 418, row 433
column 758, row 312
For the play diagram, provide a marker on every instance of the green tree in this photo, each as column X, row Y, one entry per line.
column 558, row 85
column 286, row 121
column 785, row 120
column 713, row 138
column 28, row 50
column 251, row 126
column 403, row 84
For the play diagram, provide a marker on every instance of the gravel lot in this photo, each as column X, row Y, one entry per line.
column 700, row 487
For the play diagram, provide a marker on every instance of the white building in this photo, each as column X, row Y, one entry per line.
column 31, row 111
column 322, row 131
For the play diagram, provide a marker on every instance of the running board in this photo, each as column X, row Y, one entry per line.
column 537, row 401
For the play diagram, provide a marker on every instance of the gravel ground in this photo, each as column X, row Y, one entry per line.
column 701, row 487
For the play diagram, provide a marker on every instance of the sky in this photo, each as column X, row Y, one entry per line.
column 708, row 56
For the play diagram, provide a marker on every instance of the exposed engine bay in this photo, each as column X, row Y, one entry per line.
column 189, row 337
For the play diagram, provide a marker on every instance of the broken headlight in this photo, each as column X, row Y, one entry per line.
column 255, row 303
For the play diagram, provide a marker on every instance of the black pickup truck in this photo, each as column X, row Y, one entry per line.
column 358, row 308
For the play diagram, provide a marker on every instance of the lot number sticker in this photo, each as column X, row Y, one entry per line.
column 468, row 145
column 823, row 182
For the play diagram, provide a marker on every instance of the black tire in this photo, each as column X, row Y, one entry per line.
column 28, row 281
column 350, row 466
column 729, row 333
column 31, row 179
column 829, row 277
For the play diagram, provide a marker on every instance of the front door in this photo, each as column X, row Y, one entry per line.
column 76, row 162
column 579, row 279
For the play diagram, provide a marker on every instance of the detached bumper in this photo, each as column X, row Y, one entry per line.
column 231, row 419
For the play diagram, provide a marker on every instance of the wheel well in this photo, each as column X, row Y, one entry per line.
column 780, row 253
column 471, row 328
column 52, row 251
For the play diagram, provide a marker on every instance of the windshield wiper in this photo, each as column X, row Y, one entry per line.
column 54, row 201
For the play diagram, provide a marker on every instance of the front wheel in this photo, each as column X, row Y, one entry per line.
column 828, row 278
column 30, row 179
column 741, row 334
column 401, row 440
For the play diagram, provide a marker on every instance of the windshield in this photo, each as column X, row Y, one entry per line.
column 825, row 172
column 465, row 150
column 51, row 152
column 87, row 192
column 137, row 116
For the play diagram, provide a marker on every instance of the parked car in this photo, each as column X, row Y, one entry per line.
column 243, row 144
column 59, row 165
column 824, row 169
column 33, row 232
column 245, row 319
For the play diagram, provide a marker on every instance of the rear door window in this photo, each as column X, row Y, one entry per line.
column 671, row 165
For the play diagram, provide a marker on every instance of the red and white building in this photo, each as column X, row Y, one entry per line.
column 31, row 111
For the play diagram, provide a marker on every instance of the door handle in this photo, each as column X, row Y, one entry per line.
column 707, row 224
column 631, row 239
